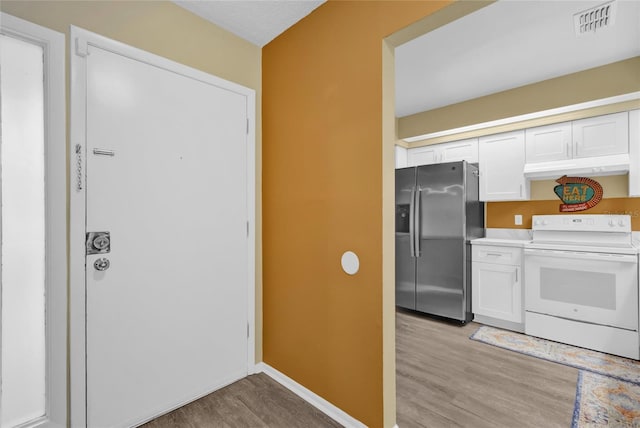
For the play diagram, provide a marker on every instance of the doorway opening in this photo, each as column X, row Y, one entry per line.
column 390, row 140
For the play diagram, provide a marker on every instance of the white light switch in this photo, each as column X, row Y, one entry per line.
column 518, row 219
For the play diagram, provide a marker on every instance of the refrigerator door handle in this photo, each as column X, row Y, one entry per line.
column 412, row 221
column 417, row 221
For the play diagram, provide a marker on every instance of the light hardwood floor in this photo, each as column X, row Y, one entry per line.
column 253, row 402
column 444, row 379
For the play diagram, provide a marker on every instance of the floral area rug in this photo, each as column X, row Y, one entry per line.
column 608, row 390
column 602, row 401
column 580, row 358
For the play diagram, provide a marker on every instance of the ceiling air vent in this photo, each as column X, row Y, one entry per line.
column 595, row 19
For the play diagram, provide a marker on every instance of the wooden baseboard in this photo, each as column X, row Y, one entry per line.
column 309, row 396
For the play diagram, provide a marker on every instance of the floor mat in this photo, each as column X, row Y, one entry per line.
column 609, row 365
column 602, row 401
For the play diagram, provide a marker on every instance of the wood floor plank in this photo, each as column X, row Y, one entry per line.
column 444, row 379
column 256, row 401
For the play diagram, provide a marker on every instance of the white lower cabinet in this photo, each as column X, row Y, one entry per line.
column 496, row 290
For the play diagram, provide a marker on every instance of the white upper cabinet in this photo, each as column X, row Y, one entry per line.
column 549, row 143
column 401, row 157
column 634, row 153
column 501, row 158
column 445, row 152
column 460, row 150
column 601, row 135
column 585, row 138
column 601, row 145
column 422, row 156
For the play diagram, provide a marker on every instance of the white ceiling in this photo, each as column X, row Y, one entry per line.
column 506, row 45
column 258, row 21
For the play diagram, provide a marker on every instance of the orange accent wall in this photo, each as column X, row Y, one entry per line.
column 322, row 195
column 500, row 214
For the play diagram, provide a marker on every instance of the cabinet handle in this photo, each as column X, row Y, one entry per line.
column 494, row 254
column 568, row 148
column 516, row 275
column 521, row 190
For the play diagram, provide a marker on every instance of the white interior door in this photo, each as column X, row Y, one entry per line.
column 166, row 175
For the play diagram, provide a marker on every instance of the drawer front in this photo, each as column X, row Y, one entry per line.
column 496, row 254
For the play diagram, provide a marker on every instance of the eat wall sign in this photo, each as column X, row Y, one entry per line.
column 577, row 193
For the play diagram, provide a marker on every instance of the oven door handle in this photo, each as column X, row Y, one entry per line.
column 604, row 257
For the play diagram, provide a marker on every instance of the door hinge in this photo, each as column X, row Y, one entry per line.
column 82, row 47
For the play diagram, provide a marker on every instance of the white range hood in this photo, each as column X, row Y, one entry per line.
column 593, row 166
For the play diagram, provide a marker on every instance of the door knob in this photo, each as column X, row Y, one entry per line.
column 102, row 264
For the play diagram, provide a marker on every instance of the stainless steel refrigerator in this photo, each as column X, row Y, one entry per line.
column 437, row 213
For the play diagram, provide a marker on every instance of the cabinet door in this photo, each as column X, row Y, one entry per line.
column 497, row 291
column 401, row 157
column 634, row 153
column 601, row 135
column 460, row 150
column 548, row 143
column 423, row 156
column 501, row 159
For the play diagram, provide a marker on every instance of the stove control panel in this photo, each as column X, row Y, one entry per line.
column 583, row 222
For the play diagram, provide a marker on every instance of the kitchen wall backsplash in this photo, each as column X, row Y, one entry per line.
column 614, row 186
column 545, row 200
column 501, row 214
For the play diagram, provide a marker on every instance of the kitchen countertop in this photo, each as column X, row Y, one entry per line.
column 505, row 237
column 500, row 242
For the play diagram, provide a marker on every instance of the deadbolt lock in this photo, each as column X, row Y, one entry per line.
column 98, row 242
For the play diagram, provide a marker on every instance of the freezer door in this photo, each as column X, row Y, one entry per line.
column 441, row 201
column 405, row 274
column 405, row 184
column 441, row 278
column 405, row 260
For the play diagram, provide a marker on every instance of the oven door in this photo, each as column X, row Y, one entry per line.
column 591, row 287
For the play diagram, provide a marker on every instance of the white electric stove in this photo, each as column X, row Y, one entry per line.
column 581, row 282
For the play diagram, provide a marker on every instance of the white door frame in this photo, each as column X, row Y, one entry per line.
column 78, row 49
column 52, row 43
